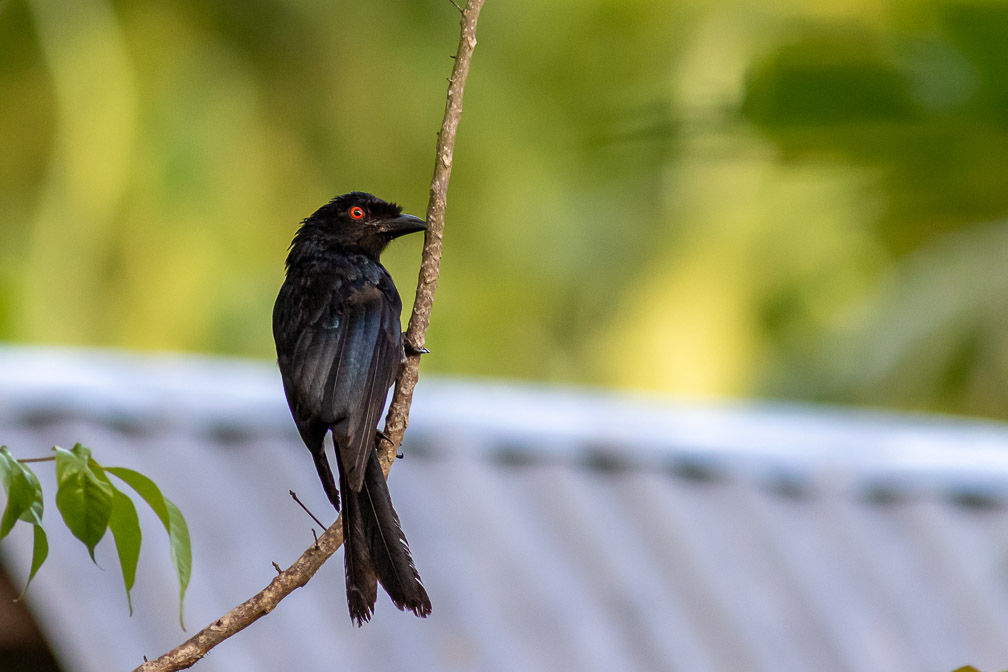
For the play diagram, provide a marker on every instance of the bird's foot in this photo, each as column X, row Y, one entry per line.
column 415, row 351
column 382, row 435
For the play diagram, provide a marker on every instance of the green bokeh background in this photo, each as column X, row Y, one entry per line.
column 708, row 199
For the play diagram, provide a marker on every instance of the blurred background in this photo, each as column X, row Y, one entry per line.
column 703, row 199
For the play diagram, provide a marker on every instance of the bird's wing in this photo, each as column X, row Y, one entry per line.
column 343, row 362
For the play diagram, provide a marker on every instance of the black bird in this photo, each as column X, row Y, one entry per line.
column 339, row 346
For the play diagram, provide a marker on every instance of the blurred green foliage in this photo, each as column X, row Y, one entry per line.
column 707, row 199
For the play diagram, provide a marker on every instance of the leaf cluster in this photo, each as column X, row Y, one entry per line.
column 91, row 505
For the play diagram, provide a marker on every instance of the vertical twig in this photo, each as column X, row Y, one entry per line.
column 189, row 652
column 398, row 413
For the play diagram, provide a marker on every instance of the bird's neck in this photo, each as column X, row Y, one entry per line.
column 311, row 246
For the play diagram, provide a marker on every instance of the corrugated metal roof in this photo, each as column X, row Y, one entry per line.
column 554, row 529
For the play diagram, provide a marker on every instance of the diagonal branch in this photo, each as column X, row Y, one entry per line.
column 189, row 652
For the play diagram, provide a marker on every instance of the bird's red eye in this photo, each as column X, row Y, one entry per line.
column 356, row 212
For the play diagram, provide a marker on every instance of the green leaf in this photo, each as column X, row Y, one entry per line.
column 125, row 527
column 173, row 521
column 147, row 489
column 20, row 489
column 19, row 500
column 40, row 550
column 83, row 498
column 181, row 552
column 24, row 502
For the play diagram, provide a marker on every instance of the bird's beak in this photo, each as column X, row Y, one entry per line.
column 402, row 225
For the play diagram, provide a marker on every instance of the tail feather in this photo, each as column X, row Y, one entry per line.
column 361, row 581
column 389, row 551
column 326, row 475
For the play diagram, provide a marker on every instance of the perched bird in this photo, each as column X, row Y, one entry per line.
column 339, row 346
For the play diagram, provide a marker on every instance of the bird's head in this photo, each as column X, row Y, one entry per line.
column 361, row 222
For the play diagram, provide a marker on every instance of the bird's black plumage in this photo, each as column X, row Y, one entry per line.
column 339, row 347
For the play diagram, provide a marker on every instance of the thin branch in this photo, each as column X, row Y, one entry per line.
column 189, row 652
column 27, row 460
column 248, row 612
column 301, row 504
column 398, row 414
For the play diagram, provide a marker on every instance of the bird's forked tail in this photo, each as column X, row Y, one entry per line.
column 375, row 548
